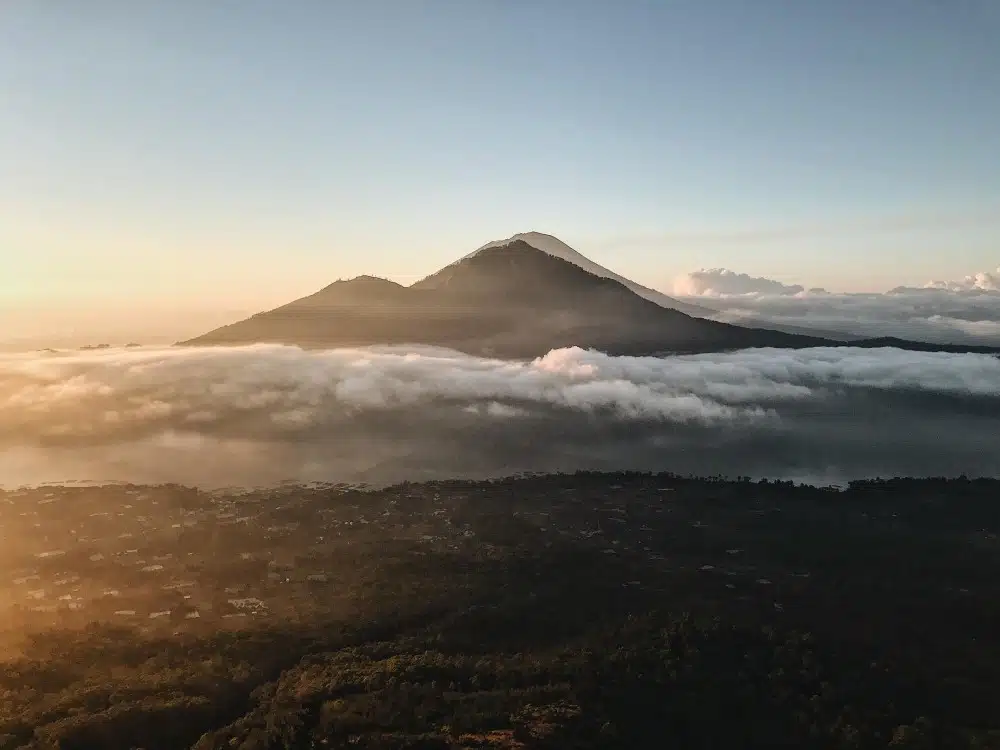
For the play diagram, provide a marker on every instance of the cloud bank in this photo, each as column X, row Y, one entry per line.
column 721, row 282
column 966, row 311
column 264, row 414
column 985, row 281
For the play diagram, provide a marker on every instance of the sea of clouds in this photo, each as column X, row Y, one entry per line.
column 263, row 414
column 964, row 311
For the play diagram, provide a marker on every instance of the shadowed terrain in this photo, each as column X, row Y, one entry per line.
column 509, row 301
column 575, row 611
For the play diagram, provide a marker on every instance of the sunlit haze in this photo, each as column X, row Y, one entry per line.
column 226, row 157
column 511, row 374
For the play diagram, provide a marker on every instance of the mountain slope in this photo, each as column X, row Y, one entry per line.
column 559, row 249
column 509, row 300
column 752, row 321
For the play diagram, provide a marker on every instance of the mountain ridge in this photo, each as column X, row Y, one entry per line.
column 508, row 299
column 552, row 245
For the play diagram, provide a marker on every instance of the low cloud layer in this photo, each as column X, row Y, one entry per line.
column 263, row 414
column 966, row 311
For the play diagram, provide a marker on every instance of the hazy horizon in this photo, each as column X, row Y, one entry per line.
column 960, row 310
column 653, row 265
column 185, row 156
column 181, row 166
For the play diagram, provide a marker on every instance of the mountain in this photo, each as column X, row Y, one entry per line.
column 558, row 249
column 508, row 299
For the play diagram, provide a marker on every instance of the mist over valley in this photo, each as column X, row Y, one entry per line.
column 302, row 449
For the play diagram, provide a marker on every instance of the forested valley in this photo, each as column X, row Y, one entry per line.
column 564, row 611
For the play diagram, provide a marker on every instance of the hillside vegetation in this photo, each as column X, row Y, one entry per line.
column 582, row 611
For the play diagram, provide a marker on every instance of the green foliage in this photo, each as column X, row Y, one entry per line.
column 530, row 638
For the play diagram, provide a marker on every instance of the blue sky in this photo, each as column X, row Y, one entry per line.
column 237, row 153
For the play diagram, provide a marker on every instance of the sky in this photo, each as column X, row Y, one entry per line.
column 167, row 166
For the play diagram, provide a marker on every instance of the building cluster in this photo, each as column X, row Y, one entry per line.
column 170, row 556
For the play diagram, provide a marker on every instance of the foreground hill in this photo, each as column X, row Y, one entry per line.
column 590, row 611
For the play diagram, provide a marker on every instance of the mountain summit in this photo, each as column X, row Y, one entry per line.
column 516, row 298
column 559, row 249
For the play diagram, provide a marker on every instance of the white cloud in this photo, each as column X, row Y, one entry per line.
column 987, row 281
column 966, row 311
column 267, row 413
column 721, row 282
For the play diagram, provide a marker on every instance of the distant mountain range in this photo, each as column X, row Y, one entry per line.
column 515, row 298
